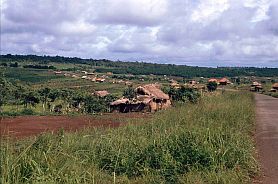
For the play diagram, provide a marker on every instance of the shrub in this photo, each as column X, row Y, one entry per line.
column 212, row 86
column 129, row 93
column 27, row 112
column 184, row 94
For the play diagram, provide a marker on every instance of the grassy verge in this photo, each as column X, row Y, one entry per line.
column 209, row 142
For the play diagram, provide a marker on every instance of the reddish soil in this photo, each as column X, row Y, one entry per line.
column 25, row 126
column 267, row 137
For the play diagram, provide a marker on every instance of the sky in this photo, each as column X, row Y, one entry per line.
column 188, row 32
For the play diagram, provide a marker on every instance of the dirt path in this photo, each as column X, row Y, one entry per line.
column 267, row 137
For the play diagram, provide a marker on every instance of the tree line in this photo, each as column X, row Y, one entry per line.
column 142, row 68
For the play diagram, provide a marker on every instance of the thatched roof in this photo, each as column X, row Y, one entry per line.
column 120, row 101
column 213, row 80
column 275, row 85
column 144, row 99
column 101, row 93
column 152, row 90
column 223, row 80
column 256, row 84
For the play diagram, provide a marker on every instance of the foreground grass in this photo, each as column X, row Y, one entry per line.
column 209, row 142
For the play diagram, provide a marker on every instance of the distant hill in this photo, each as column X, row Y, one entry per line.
column 142, row 68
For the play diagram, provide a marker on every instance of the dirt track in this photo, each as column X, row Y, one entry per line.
column 267, row 137
column 24, row 126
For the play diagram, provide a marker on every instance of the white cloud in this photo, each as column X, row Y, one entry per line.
column 209, row 10
column 178, row 31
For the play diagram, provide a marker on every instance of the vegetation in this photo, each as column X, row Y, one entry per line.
column 184, row 94
column 212, row 86
column 207, row 142
column 141, row 68
column 52, row 100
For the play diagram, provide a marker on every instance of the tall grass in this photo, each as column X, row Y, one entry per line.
column 208, row 142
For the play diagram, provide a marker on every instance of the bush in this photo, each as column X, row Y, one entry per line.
column 129, row 93
column 27, row 112
column 212, row 86
column 184, row 94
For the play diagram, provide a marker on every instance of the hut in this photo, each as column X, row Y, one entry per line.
column 193, row 82
column 100, row 80
column 58, row 73
column 224, row 81
column 256, row 87
column 125, row 105
column 275, row 86
column 213, row 80
column 160, row 100
column 149, row 99
column 101, row 93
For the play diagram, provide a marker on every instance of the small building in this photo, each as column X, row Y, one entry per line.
column 100, row 80
column 101, row 93
column 58, row 73
column 224, row 81
column 275, row 86
column 193, row 82
column 213, row 80
column 149, row 99
column 256, row 87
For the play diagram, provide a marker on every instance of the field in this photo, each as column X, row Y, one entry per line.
column 25, row 126
column 55, row 129
column 207, row 142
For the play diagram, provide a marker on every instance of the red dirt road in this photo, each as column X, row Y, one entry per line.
column 24, row 126
column 267, row 137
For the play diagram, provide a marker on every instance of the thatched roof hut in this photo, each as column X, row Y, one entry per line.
column 223, row 81
column 120, row 101
column 254, row 84
column 213, row 80
column 101, row 93
column 149, row 99
column 275, row 86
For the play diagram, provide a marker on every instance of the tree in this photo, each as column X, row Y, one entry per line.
column 30, row 98
column 5, row 91
column 184, row 94
column 44, row 94
column 94, row 105
column 77, row 100
column 19, row 94
column 212, row 86
column 67, row 95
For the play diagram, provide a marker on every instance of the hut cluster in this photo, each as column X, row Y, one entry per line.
column 149, row 98
column 223, row 81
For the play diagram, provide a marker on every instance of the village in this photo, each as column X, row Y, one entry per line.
column 149, row 97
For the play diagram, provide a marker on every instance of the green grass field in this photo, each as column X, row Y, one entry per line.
column 207, row 142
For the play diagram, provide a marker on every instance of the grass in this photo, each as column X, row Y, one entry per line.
column 209, row 142
column 27, row 75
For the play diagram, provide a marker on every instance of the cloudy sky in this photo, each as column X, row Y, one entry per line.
column 191, row 32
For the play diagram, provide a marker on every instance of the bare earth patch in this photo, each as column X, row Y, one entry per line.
column 24, row 126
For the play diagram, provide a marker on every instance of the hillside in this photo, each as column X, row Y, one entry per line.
column 142, row 68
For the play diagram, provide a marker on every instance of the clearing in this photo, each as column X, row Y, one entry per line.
column 24, row 126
